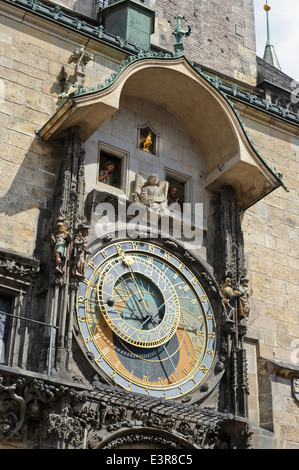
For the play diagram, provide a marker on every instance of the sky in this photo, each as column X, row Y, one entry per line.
column 284, row 28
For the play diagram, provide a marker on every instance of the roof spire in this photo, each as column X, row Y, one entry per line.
column 179, row 33
column 270, row 55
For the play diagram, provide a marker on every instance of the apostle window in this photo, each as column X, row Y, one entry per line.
column 176, row 190
column 112, row 163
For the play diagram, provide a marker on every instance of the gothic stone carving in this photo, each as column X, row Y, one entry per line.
column 229, row 243
column 104, row 418
column 151, row 192
column 69, row 203
column 25, row 402
column 17, row 266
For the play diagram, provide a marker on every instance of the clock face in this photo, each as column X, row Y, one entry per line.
column 146, row 319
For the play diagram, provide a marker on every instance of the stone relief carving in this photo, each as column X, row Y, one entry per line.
column 62, row 430
column 21, row 401
column 17, row 266
column 243, row 299
column 71, row 418
column 151, row 192
column 229, row 242
column 142, row 439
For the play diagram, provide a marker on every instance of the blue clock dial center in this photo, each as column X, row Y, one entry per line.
column 143, row 308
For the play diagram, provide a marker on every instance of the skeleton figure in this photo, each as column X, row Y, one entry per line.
column 229, row 297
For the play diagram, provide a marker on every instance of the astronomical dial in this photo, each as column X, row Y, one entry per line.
column 146, row 319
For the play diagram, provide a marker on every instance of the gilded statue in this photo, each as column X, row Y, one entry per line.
column 229, row 297
column 146, row 142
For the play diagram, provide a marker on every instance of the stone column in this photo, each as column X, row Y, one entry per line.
column 229, row 242
column 229, row 263
column 69, row 213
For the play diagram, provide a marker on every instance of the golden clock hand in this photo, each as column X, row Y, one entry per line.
column 190, row 326
column 89, row 301
column 130, row 289
column 134, row 293
column 128, row 261
column 185, row 319
column 138, row 289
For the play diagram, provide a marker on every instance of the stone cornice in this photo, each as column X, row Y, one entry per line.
column 160, row 407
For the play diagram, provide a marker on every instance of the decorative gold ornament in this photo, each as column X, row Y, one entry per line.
column 146, row 142
column 267, row 7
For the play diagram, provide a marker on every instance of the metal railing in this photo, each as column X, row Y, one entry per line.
column 40, row 323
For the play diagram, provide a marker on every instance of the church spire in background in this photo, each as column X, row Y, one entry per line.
column 270, row 55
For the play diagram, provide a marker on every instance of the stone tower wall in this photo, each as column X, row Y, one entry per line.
column 271, row 237
column 222, row 38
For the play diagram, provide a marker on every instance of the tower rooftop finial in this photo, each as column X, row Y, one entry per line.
column 270, row 55
column 179, row 33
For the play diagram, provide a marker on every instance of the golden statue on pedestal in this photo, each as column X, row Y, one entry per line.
column 146, row 142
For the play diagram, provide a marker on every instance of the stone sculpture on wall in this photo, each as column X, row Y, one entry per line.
column 151, row 192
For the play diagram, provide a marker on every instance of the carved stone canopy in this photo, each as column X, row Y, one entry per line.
column 18, row 268
column 194, row 100
column 102, row 417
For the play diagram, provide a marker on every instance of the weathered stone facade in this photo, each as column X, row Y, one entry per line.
column 35, row 68
column 223, row 36
column 271, row 252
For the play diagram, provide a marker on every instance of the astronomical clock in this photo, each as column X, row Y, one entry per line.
column 147, row 318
